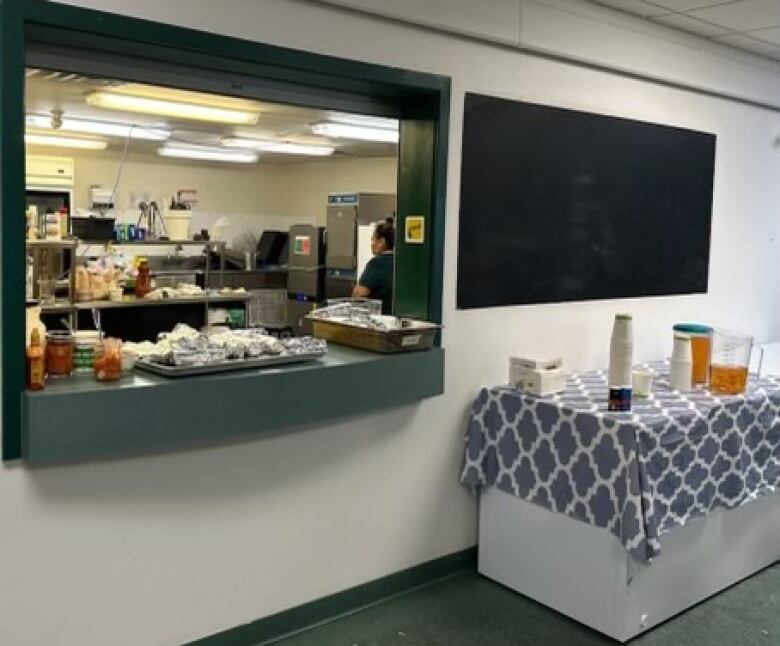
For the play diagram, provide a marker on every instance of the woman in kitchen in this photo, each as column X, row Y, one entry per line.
column 376, row 281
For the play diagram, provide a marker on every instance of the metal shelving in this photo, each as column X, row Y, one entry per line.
column 72, row 306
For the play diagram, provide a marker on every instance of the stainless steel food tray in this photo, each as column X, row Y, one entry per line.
column 413, row 336
column 226, row 366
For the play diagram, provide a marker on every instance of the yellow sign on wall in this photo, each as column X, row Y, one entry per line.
column 415, row 229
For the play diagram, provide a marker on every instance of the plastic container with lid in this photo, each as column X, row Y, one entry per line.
column 701, row 344
column 59, row 353
column 84, row 344
column 108, row 360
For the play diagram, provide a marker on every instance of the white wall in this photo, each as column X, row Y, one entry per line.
column 159, row 550
column 306, row 186
column 254, row 197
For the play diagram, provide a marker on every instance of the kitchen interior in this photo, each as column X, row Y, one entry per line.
column 163, row 219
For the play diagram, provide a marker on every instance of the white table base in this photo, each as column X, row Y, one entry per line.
column 585, row 573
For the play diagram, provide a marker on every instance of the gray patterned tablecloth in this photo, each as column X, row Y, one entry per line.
column 674, row 457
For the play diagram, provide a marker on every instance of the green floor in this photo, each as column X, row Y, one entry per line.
column 469, row 610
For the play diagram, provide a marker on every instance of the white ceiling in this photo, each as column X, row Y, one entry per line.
column 47, row 90
column 750, row 25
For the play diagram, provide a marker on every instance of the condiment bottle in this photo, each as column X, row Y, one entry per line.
column 62, row 214
column 143, row 280
column 36, row 366
column 621, row 351
column 681, row 368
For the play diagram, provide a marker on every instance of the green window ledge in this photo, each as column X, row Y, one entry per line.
column 79, row 419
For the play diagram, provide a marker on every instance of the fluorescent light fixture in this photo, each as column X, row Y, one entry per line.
column 364, row 120
column 349, row 131
column 99, row 127
column 164, row 107
column 277, row 146
column 64, row 142
column 207, row 153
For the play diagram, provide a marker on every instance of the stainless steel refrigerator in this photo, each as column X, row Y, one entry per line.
column 346, row 213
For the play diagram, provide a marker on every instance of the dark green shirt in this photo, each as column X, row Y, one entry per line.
column 377, row 277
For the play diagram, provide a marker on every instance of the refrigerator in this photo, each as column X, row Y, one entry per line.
column 348, row 216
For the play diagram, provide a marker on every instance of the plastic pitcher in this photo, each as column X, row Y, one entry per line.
column 729, row 362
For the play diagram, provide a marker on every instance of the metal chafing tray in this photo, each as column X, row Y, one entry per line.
column 412, row 336
column 228, row 365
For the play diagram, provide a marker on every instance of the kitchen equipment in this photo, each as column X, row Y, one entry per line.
column 270, row 246
column 101, row 198
column 730, row 361
column 267, row 307
column 412, row 335
column 228, row 365
column 306, row 261
column 92, row 228
column 347, row 253
column 306, row 274
column 250, row 260
column 150, row 221
column 344, row 213
column 177, row 223
column 701, row 344
column 372, row 305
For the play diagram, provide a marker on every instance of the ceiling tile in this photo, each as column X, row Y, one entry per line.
column 771, row 35
column 686, row 5
column 644, row 9
column 746, row 42
column 693, row 25
column 743, row 15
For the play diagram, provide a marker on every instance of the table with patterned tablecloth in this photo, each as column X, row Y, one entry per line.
column 674, row 457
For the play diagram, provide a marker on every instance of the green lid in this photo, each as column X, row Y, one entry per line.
column 692, row 328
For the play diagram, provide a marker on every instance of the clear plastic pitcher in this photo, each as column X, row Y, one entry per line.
column 729, row 362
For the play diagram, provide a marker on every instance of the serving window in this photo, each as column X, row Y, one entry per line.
column 198, row 202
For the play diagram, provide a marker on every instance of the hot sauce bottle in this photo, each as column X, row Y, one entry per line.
column 36, row 365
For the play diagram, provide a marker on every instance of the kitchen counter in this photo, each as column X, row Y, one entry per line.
column 79, row 419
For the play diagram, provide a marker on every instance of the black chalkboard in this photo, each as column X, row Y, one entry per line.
column 559, row 205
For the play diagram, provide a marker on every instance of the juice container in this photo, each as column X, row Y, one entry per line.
column 730, row 361
column 701, row 347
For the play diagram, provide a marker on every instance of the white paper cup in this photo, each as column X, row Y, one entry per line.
column 642, row 382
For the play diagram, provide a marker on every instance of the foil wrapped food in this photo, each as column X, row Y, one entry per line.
column 185, row 346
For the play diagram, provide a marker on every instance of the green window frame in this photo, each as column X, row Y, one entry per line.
column 421, row 102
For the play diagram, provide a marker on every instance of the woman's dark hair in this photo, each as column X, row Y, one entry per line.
column 386, row 231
